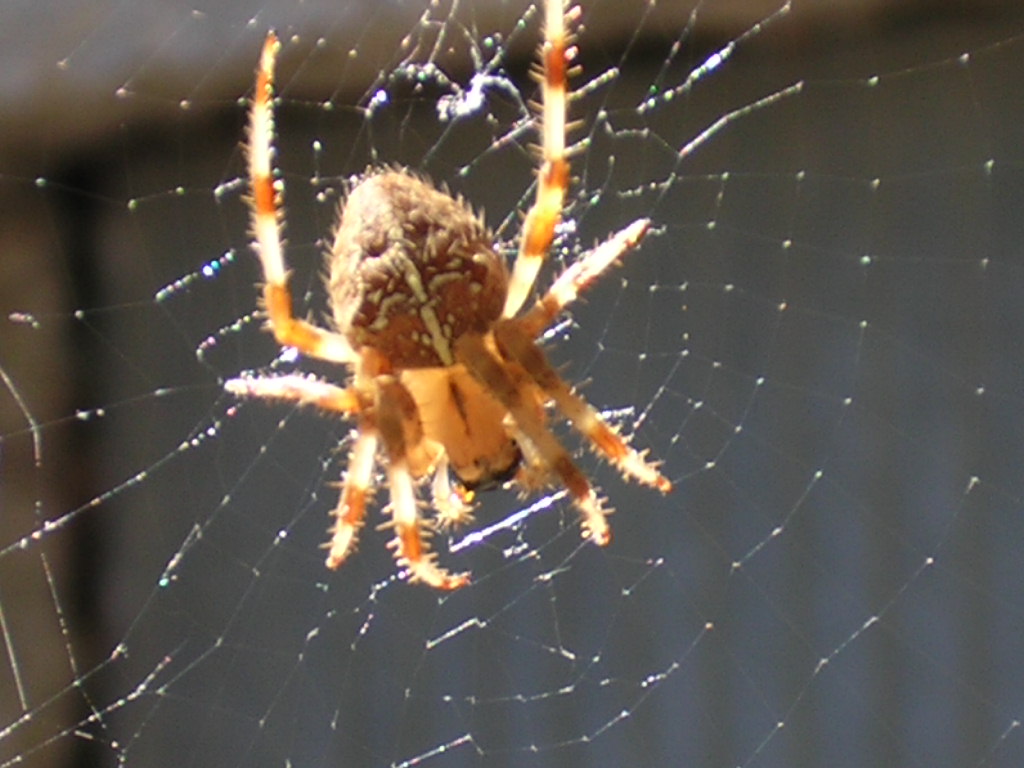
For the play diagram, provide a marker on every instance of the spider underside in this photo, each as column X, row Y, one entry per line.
column 445, row 375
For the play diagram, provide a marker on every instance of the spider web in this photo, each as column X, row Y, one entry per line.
column 820, row 340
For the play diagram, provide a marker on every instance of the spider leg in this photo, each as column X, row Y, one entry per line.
column 515, row 343
column 266, row 225
column 553, row 177
column 409, row 545
column 399, row 426
column 472, row 351
column 351, row 510
column 304, row 390
column 533, row 473
column 580, row 276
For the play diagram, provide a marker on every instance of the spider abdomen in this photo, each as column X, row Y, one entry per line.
column 411, row 270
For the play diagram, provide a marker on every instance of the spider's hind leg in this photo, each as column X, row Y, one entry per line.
column 553, row 175
column 266, row 220
column 577, row 278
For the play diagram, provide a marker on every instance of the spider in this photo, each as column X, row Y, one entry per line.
column 445, row 375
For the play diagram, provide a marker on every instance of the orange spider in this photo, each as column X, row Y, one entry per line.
column 445, row 373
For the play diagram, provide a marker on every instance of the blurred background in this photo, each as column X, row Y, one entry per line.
column 820, row 340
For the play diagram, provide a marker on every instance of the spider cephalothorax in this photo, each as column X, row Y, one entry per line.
column 445, row 372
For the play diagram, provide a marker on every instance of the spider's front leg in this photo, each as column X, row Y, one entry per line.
column 515, row 344
column 350, row 513
column 402, row 434
column 308, row 390
column 511, row 388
